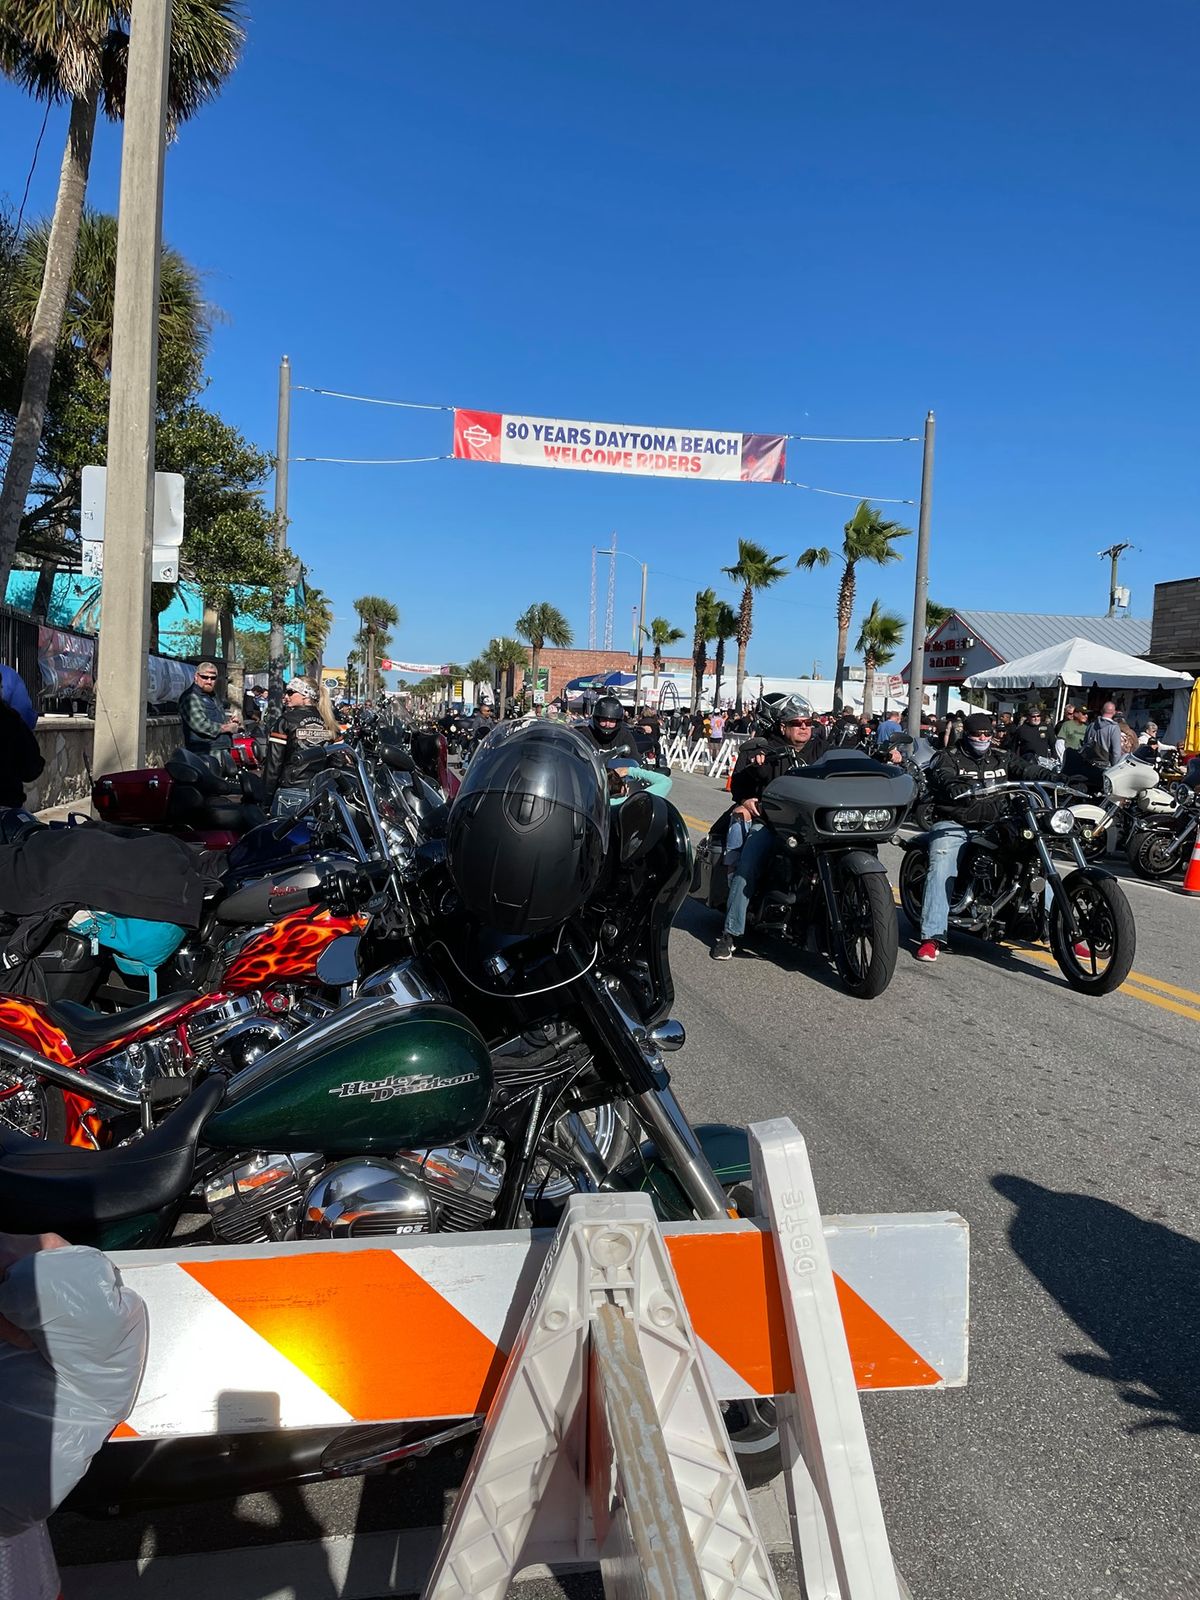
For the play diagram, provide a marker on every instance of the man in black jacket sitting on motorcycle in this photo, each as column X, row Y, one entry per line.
column 954, row 778
column 790, row 742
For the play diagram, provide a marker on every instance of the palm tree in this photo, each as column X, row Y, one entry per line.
column 660, row 632
column 79, row 52
column 935, row 615
column 725, row 625
column 706, row 601
column 376, row 616
column 866, row 537
column 878, row 640
column 504, row 656
column 318, row 620
column 540, row 624
column 753, row 569
column 477, row 671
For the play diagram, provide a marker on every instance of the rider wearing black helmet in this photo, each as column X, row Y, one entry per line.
column 607, row 729
column 792, row 742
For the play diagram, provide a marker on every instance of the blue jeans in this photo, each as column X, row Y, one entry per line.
column 744, row 878
column 946, row 840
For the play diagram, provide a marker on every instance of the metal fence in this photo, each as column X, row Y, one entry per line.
column 19, row 648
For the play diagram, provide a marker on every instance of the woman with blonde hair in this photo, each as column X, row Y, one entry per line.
column 307, row 722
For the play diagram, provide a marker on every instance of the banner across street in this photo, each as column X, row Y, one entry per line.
column 628, row 448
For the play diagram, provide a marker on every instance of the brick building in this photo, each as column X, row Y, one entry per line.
column 563, row 665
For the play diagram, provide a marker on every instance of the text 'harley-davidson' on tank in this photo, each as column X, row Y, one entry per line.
column 824, row 881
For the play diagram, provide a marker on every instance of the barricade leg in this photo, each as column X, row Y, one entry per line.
column 529, row 1485
column 833, row 1499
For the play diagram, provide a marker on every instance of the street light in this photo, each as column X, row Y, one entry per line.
column 641, row 634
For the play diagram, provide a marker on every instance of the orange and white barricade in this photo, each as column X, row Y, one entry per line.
column 601, row 1354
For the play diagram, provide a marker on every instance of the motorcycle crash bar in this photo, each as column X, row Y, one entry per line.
column 601, row 1354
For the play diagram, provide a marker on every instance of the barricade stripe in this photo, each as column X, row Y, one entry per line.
column 365, row 1328
column 734, row 1303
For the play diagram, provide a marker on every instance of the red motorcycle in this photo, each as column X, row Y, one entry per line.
column 269, row 985
column 208, row 800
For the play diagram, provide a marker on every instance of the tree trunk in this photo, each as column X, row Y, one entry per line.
column 744, row 629
column 235, row 675
column 44, row 593
column 719, row 668
column 47, row 328
column 845, row 611
column 534, row 654
column 699, row 654
column 208, row 631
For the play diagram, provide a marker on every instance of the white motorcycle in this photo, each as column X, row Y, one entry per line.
column 1132, row 793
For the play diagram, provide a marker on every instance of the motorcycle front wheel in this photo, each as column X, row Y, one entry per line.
column 35, row 1109
column 1156, row 853
column 1099, row 961
column 865, row 948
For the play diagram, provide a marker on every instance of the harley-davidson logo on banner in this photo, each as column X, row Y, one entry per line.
column 619, row 447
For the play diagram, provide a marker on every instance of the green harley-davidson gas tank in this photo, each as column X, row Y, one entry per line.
column 375, row 1076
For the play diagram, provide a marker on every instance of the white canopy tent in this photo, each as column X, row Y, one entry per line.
column 1079, row 664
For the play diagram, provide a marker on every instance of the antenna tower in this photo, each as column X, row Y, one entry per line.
column 612, row 594
column 592, row 606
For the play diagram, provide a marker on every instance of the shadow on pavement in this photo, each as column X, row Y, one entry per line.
column 1133, row 1287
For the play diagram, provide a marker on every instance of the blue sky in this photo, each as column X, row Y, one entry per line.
column 823, row 218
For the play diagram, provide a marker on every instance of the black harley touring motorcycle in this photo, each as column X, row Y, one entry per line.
column 824, row 879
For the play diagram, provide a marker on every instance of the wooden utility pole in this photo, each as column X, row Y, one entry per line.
column 1114, row 554
column 916, row 671
column 120, row 736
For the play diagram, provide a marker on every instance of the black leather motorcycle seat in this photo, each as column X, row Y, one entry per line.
column 86, row 1029
column 55, row 1188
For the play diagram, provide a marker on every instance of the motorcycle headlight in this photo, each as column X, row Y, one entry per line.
column 1061, row 821
column 847, row 821
column 855, row 820
column 878, row 817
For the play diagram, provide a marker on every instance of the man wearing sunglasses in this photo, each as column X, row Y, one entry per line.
column 205, row 725
column 791, row 741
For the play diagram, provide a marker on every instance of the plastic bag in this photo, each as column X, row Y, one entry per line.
column 60, row 1401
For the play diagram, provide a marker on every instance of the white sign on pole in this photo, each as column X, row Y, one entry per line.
column 168, row 523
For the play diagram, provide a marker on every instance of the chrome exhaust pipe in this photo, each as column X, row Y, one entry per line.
column 82, row 1083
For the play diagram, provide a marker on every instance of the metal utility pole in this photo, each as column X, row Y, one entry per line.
column 916, row 672
column 1114, row 554
column 282, row 446
column 592, row 606
column 641, row 644
column 120, row 735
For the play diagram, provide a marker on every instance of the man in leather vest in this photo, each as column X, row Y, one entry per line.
column 955, row 776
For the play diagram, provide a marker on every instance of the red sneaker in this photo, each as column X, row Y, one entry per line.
column 1083, row 952
column 927, row 950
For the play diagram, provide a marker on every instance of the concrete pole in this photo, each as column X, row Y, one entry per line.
column 916, row 672
column 641, row 644
column 120, row 736
column 277, row 645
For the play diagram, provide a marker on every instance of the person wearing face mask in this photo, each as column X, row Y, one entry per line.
column 955, row 776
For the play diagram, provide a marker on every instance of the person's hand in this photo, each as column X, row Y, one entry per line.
column 229, row 727
column 15, row 1247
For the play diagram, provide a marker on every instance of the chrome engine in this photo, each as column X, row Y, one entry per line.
column 447, row 1190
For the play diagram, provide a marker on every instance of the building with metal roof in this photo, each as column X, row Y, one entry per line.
column 975, row 641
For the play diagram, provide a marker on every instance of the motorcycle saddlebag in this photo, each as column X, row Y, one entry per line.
column 141, row 797
column 67, row 967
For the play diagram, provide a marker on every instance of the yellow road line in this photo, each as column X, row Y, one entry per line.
column 694, row 822
column 1189, row 995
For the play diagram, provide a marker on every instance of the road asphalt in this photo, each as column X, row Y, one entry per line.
column 1065, row 1129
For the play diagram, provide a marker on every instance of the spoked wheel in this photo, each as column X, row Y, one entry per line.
column 32, row 1108
column 1098, row 961
column 1157, row 854
column 866, row 950
column 914, row 870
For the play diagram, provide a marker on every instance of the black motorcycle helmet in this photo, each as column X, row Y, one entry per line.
column 776, row 709
column 528, row 829
column 607, row 709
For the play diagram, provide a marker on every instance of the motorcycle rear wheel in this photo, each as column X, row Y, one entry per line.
column 866, row 948
column 1106, row 922
column 37, row 1110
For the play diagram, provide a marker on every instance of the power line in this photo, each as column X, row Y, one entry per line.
column 818, row 438
column 842, row 494
column 371, row 461
column 371, row 400
column 32, row 166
